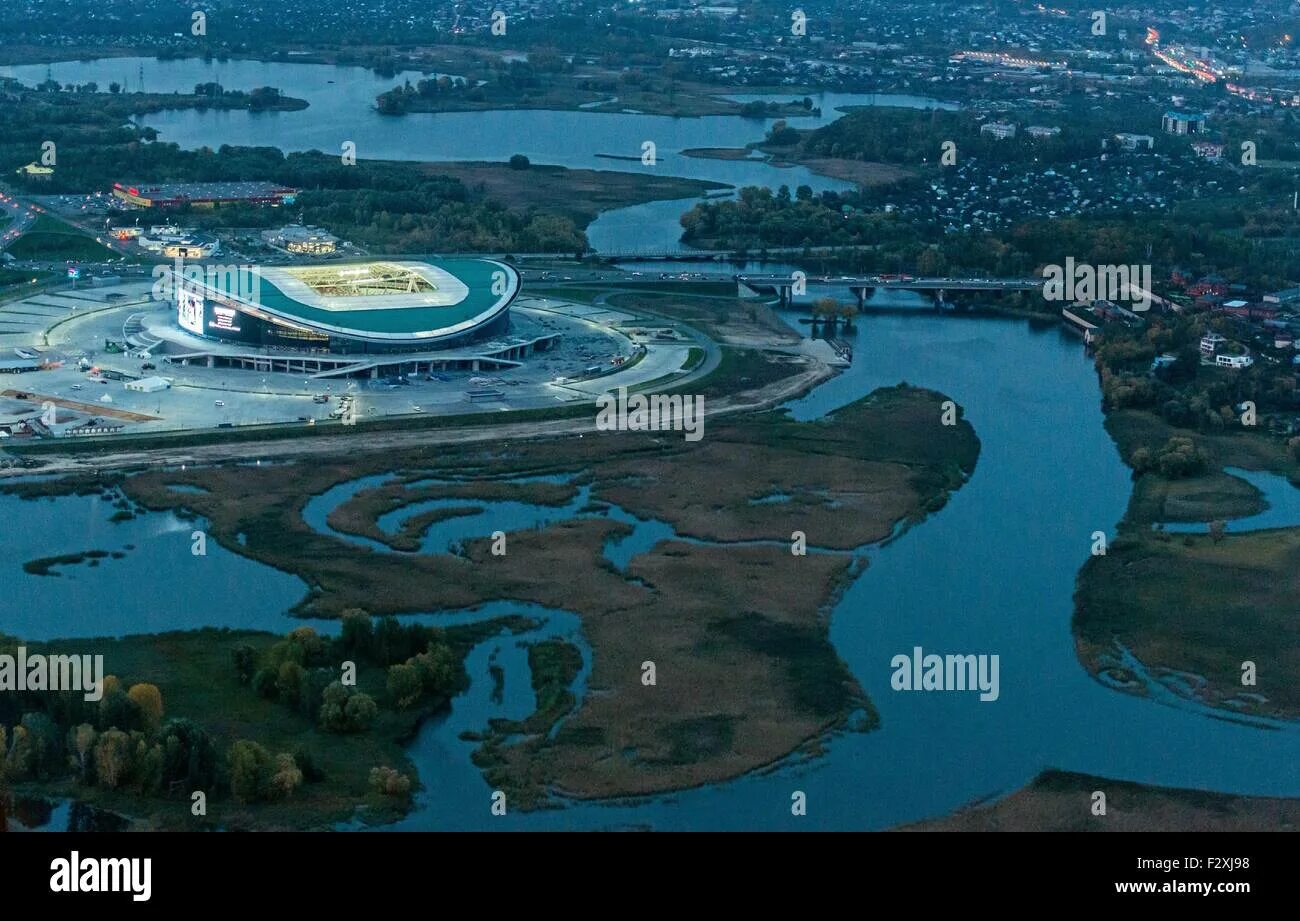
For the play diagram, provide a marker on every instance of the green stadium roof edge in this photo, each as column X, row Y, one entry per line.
column 376, row 299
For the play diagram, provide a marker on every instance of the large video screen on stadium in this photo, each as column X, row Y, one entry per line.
column 189, row 311
column 221, row 321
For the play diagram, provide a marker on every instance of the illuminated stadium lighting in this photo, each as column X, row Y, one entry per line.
column 383, row 306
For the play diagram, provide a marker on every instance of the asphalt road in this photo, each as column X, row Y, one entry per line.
column 347, row 442
column 20, row 216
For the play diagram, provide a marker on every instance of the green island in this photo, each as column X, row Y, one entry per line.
column 577, row 194
column 1197, row 603
column 50, row 97
column 747, row 675
column 261, row 724
column 548, row 80
column 48, row 565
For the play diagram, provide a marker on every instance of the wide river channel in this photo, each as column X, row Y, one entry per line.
column 993, row 572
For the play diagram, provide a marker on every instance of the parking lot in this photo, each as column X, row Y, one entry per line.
column 71, row 331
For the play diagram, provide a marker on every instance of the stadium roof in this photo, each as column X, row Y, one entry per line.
column 386, row 299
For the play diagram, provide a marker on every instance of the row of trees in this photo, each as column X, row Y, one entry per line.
column 759, row 217
column 118, row 742
column 178, row 757
column 828, row 308
column 258, row 99
column 768, row 108
column 513, row 78
column 911, row 137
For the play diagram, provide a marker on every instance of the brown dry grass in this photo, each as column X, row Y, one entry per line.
column 1182, row 603
column 578, row 193
column 746, row 674
column 863, row 172
column 358, row 515
column 1060, row 801
column 702, row 497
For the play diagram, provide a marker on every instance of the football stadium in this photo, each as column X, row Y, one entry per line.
column 373, row 307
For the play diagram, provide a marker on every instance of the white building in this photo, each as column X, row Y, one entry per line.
column 1134, row 141
column 178, row 242
column 149, row 385
column 1211, row 342
column 191, row 249
column 999, row 130
column 311, row 241
column 159, row 236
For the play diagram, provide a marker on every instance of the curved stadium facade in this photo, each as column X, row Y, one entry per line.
column 378, row 306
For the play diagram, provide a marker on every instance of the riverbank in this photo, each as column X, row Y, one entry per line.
column 579, row 194
column 1063, row 801
column 1194, row 608
column 586, row 88
column 718, row 153
column 859, row 172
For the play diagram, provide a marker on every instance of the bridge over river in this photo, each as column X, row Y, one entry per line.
column 862, row 286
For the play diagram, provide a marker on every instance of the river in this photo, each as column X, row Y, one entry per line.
column 151, row 581
column 342, row 109
column 993, row 572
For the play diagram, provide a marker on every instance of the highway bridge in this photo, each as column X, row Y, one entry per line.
column 862, row 286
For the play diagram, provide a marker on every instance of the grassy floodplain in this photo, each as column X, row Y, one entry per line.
column 580, row 194
column 1191, row 603
column 738, row 630
column 1062, row 800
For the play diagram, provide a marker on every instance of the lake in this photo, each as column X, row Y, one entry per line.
column 342, row 110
